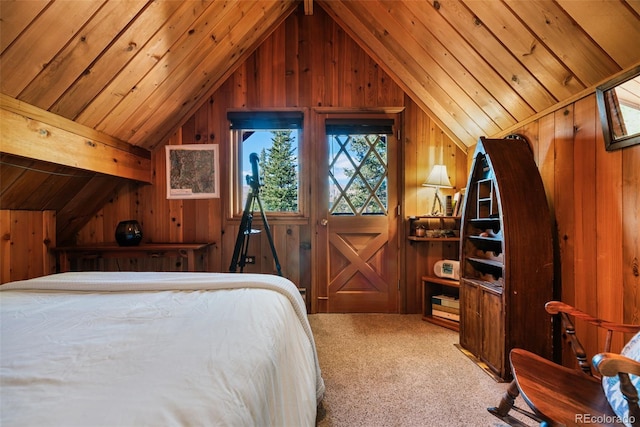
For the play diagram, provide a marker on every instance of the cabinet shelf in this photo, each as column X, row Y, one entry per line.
column 441, row 321
column 433, row 239
column 433, row 286
column 491, row 264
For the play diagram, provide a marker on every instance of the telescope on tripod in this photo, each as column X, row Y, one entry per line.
column 245, row 231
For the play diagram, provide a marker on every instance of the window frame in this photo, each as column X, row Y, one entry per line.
column 237, row 179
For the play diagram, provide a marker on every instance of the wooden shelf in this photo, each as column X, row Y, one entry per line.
column 440, row 321
column 187, row 251
column 441, row 281
column 433, row 239
column 432, row 285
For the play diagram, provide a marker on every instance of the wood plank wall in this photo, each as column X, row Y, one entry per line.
column 25, row 239
column 593, row 195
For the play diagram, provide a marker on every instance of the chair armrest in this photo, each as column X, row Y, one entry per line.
column 618, row 387
column 555, row 307
column 611, row 364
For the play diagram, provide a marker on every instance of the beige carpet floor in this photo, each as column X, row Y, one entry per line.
column 397, row 370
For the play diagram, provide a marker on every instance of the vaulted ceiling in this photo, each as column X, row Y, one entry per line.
column 135, row 70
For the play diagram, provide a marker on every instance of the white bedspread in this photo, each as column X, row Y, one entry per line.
column 156, row 349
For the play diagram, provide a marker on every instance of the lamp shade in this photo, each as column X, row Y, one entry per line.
column 438, row 177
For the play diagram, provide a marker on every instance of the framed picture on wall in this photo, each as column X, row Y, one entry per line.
column 193, row 171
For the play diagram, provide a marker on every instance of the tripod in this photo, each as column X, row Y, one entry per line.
column 239, row 258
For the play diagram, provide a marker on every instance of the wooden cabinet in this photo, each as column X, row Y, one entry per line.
column 506, row 256
column 441, row 231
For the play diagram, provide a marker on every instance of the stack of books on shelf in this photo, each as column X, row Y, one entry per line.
column 445, row 307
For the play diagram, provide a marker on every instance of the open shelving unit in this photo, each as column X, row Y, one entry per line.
column 438, row 229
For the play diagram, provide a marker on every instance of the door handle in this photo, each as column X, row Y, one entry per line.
column 324, row 222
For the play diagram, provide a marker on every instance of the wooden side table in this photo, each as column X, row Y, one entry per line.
column 189, row 251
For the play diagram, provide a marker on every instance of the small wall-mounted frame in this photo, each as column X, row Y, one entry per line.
column 619, row 107
column 193, row 171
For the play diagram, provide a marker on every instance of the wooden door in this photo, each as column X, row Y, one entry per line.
column 361, row 220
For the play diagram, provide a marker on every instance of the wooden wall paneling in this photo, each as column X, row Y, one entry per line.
column 155, row 206
column 359, row 75
column 96, row 193
column 546, row 165
column 192, row 131
column 609, row 215
column 305, row 81
column 631, row 235
column 5, row 245
column 268, row 64
column 291, row 62
column 42, row 45
column 564, row 198
column 410, row 143
column 291, row 247
column 48, row 241
column 93, row 230
column 26, row 238
column 339, row 68
column 306, row 265
column 33, row 239
column 585, row 220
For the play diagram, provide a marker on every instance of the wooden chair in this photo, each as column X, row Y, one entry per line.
column 563, row 396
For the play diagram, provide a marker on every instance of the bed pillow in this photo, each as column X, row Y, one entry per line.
column 611, row 385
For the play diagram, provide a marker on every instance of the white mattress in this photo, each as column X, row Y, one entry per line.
column 156, row 349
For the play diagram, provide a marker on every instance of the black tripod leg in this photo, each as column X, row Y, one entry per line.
column 242, row 240
column 268, row 231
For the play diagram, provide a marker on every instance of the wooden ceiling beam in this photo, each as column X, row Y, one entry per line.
column 31, row 132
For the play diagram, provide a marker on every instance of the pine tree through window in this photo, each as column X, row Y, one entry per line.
column 274, row 137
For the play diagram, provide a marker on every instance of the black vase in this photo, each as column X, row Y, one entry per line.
column 128, row 233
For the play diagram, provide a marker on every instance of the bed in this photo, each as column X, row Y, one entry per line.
column 129, row 348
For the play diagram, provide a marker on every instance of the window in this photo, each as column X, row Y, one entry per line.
column 274, row 137
column 358, row 168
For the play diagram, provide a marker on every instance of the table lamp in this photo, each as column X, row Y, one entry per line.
column 438, row 178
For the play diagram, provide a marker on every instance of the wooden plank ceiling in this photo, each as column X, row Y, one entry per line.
column 135, row 69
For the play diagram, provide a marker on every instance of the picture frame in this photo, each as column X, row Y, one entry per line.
column 620, row 127
column 193, row 171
